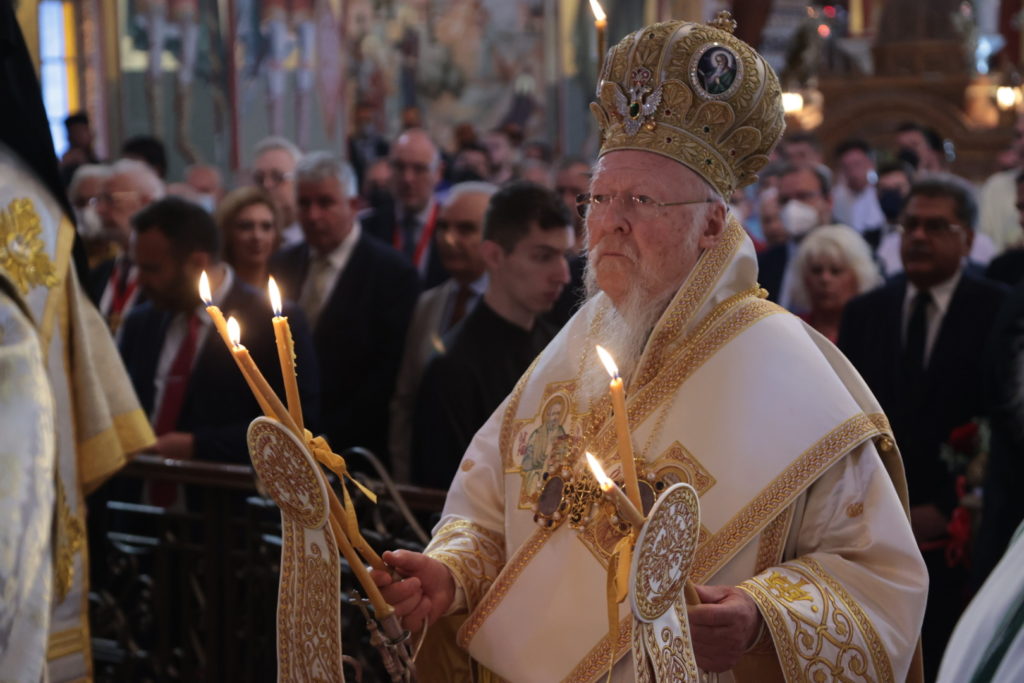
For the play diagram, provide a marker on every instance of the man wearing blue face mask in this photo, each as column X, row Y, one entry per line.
column 805, row 203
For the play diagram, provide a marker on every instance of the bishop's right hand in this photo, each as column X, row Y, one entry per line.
column 422, row 591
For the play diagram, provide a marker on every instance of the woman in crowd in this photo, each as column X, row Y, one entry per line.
column 832, row 265
column 250, row 233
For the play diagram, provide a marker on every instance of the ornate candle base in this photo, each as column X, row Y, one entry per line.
column 664, row 553
column 309, row 598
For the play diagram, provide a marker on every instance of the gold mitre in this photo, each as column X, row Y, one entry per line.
column 694, row 93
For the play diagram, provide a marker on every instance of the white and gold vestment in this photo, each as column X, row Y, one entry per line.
column 802, row 495
column 98, row 422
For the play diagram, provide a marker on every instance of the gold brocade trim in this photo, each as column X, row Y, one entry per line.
column 474, row 554
column 501, row 585
column 68, row 542
column 819, row 630
column 61, row 291
column 23, row 254
column 102, row 455
column 695, row 291
column 508, row 419
column 790, row 483
column 64, row 643
column 596, row 660
column 773, row 541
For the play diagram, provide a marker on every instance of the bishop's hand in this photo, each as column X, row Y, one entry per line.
column 423, row 592
column 722, row 627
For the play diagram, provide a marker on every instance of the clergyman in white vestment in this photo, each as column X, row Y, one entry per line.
column 805, row 565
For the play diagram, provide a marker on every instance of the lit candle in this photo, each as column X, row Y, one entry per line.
column 622, row 429
column 285, row 354
column 257, row 382
column 601, row 26
column 626, row 509
column 222, row 328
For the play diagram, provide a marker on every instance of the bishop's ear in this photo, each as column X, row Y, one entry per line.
column 714, row 226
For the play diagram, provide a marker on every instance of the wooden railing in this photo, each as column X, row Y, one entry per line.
column 190, row 594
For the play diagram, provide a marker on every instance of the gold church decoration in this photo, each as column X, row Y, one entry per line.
column 22, row 249
column 601, row 28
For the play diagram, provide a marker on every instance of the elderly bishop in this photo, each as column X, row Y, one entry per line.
column 805, row 563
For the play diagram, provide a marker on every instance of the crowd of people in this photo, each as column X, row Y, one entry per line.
column 424, row 279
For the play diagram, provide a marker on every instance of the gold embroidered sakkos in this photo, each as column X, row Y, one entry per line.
column 23, row 254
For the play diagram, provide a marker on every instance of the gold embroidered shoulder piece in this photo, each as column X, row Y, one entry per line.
column 474, row 555
column 22, row 248
column 819, row 631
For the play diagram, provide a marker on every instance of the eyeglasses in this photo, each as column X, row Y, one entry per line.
column 273, row 177
column 635, row 203
column 932, row 226
column 115, row 198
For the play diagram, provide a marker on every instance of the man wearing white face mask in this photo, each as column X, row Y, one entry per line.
column 83, row 193
column 206, row 180
column 806, row 203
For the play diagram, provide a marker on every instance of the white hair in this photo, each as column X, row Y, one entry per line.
column 317, row 166
column 469, row 187
column 841, row 244
column 87, row 172
column 146, row 180
column 277, row 142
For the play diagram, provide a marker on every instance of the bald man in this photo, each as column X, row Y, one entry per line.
column 416, row 169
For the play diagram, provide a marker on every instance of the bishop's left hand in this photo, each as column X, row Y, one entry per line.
column 722, row 627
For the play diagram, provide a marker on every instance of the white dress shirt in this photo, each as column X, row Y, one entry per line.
column 177, row 330
column 323, row 274
column 935, row 313
column 858, row 210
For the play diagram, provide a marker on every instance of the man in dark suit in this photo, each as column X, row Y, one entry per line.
column 408, row 225
column 359, row 295
column 805, row 203
column 182, row 371
column 918, row 341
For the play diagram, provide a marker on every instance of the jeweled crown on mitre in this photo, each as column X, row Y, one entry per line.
column 694, row 93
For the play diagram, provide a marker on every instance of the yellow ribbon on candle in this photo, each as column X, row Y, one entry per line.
column 617, row 590
column 335, row 463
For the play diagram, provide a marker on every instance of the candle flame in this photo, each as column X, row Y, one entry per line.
column 602, row 479
column 204, row 289
column 609, row 362
column 234, row 331
column 275, row 296
column 598, row 11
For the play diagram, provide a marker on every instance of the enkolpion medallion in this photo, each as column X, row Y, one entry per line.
column 665, row 549
column 308, row 598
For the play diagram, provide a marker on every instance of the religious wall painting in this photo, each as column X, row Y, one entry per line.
column 715, row 72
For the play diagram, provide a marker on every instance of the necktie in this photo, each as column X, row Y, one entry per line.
column 161, row 492
column 313, row 293
column 917, row 333
column 409, row 224
column 459, row 305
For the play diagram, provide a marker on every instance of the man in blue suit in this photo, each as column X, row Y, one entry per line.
column 183, row 373
column 919, row 343
column 358, row 294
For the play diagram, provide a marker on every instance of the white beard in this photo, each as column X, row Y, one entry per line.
column 623, row 331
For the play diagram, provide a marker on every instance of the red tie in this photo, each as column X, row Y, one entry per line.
column 161, row 492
